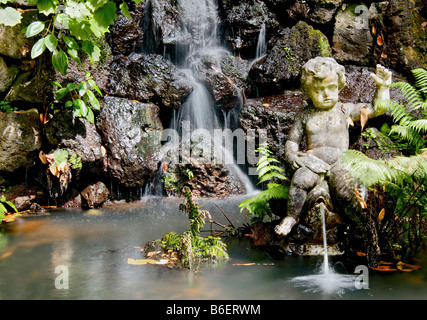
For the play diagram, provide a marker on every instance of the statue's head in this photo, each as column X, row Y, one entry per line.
column 322, row 79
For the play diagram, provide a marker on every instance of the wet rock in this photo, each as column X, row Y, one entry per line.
column 20, row 139
column 274, row 114
column 161, row 26
column 148, row 78
column 224, row 75
column 95, row 195
column 360, row 87
column 282, row 67
column 401, row 38
column 131, row 132
column 76, row 135
column 244, row 21
column 23, row 196
column 31, row 85
column 13, row 42
column 313, row 11
column 7, row 75
column 352, row 40
column 127, row 34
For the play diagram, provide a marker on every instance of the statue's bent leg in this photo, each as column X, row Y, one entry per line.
column 303, row 180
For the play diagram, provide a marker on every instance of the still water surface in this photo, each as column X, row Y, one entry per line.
column 94, row 245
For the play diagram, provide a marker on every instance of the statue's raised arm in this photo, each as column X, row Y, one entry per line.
column 383, row 79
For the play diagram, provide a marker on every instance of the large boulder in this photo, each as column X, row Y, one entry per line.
column 244, row 22
column 161, row 26
column 148, row 78
column 127, row 34
column 8, row 74
column 225, row 76
column 282, row 67
column 76, row 135
column 352, row 40
column 131, row 132
column 313, row 11
column 400, row 32
column 20, row 139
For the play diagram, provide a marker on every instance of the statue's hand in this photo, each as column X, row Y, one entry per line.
column 311, row 162
column 382, row 77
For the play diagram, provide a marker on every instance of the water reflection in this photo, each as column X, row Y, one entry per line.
column 95, row 249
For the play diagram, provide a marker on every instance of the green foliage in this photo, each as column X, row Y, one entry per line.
column 61, row 155
column 6, row 108
column 66, row 32
column 4, row 205
column 403, row 178
column 190, row 246
column 268, row 172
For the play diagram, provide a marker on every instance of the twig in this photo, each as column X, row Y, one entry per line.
column 231, row 224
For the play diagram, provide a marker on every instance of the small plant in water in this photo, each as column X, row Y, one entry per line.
column 189, row 249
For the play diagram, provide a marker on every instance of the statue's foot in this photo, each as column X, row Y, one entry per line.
column 285, row 226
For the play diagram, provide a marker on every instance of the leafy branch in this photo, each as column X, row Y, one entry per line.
column 67, row 31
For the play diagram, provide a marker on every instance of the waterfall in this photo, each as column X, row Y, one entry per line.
column 196, row 39
column 261, row 48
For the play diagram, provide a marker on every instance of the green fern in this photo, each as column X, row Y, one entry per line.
column 259, row 205
column 403, row 178
column 410, row 123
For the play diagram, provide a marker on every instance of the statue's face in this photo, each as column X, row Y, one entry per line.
column 324, row 93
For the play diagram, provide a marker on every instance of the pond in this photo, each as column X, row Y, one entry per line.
column 93, row 247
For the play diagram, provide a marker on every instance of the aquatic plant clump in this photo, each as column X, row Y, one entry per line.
column 189, row 249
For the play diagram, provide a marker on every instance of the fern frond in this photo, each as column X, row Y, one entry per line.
column 420, row 76
column 370, row 171
column 271, row 175
column 419, row 125
column 411, row 94
column 408, row 134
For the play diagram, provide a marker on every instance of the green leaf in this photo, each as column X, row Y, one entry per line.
column 51, row 42
column 34, row 29
column 80, row 30
column 95, row 4
column 62, row 19
column 90, row 116
column 60, row 61
column 103, row 18
column 60, row 156
column 72, row 86
column 94, row 86
column 92, row 50
column 82, row 88
column 10, row 17
column 70, row 42
column 61, row 93
column 73, row 54
column 80, row 108
column 93, row 100
column 125, row 10
column 47, row 7
column 38, row 48
column 55, row 83
column 77, row 10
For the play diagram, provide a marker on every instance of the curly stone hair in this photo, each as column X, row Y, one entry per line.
column 318, row 69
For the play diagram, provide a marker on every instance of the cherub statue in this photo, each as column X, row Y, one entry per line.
column 325, row 124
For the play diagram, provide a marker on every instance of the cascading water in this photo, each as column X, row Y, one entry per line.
column 261, row 48
column 196, row 40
